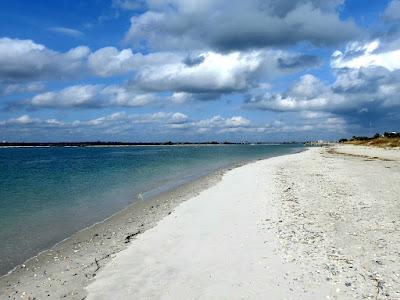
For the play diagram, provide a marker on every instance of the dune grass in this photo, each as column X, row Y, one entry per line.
column 381, row 142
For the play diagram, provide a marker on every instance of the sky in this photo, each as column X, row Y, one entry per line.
column 188, row 70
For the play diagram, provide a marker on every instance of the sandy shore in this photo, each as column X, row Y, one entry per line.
column 321, row 224
column 314, row 225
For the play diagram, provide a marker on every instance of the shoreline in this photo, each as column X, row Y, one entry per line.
column 312, row 225
column 157, row 192
column 137, row 217
column 320, row 231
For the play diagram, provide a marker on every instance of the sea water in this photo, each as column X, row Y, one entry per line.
column 47, row 194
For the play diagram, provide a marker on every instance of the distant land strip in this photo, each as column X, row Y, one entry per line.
column 101, row 143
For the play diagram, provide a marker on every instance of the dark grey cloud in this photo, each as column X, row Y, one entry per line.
column 237, row 25
column 299, row 61
column 191, row 60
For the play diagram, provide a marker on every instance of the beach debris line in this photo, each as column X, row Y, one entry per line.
column 132, row 235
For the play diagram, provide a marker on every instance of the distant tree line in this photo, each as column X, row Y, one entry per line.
column 377, row 135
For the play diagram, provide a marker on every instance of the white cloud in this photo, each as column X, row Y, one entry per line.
column 109, row 61
column 215, row 73
column 164, row 119
column 309, row 94
column 180, row 97
column 18, row 88
column 91, row 96
column 67, row 31
column 237, row 121
column 27, row 121
column 22, row 60
column 120, row 96
column 122, row 123
column 219, row 123
column 218, row 72
column 25, row 60
column 367, row 81
column 74, row 96
column 366, row 55
column 355, row 91
column 201, row 75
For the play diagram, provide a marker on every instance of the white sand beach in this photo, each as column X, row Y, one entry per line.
column 313, row 225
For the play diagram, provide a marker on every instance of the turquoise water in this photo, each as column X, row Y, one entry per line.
column 47, row 194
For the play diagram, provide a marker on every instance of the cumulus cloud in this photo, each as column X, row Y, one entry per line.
column 309, row 93
column 109, row 61
column 358, row 55
column 200, row 75
column 238, row 25
column 217, row 73
column 167, row 119
column 80, row 95
column 111, row 120
column 23, row 60
column 170, row 124
column 210, row 74
column 239, row 124
column 355, row 91
column 220, row 122
column 27, row 121
column 90, row 96
column 367, row 82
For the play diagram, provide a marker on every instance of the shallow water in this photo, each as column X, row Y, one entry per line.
column 47, row 194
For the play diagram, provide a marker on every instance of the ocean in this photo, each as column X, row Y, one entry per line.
column 47, row 194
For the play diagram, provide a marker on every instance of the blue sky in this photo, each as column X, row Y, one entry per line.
column 156, row 70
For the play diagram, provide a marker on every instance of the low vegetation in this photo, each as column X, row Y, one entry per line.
column 386, row 140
